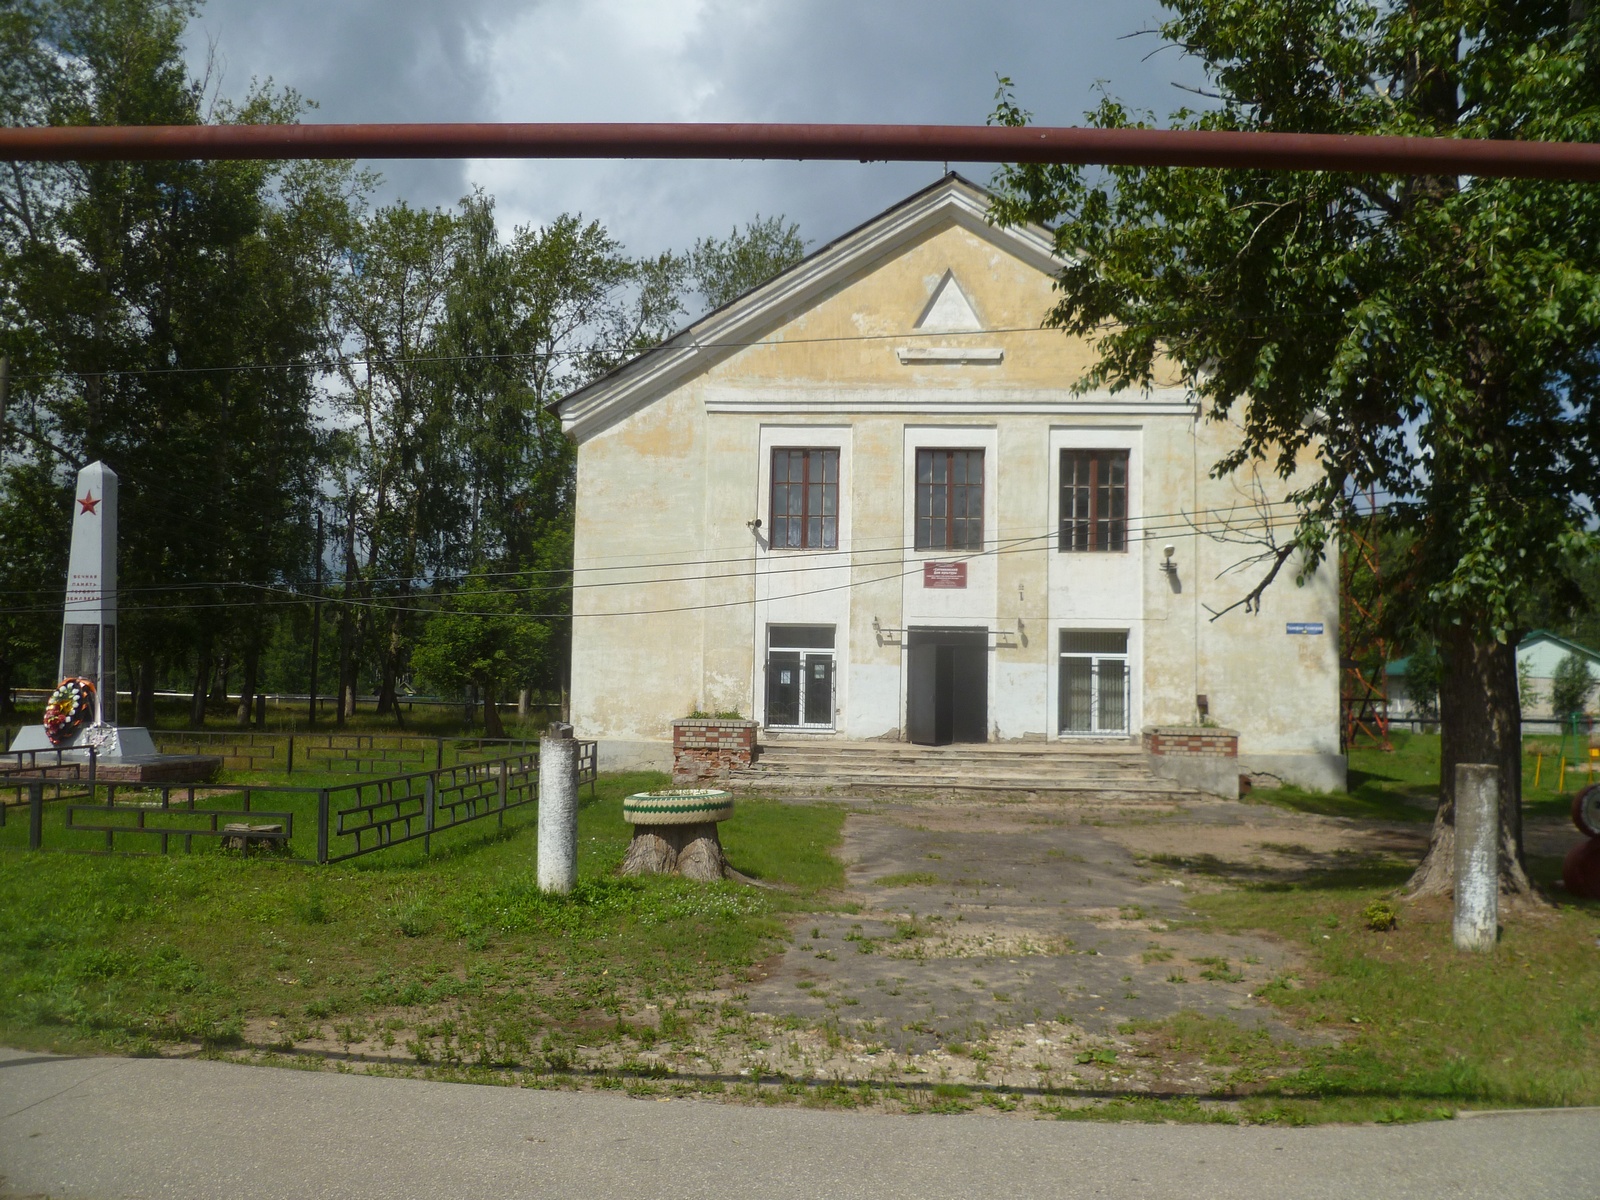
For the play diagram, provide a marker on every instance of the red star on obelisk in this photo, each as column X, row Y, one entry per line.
column 88, row 504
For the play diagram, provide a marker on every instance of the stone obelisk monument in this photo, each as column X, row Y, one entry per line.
column 89, row 625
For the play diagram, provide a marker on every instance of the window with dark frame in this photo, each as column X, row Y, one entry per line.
column 805, row 499
column 1094, row 500
column 949, row 500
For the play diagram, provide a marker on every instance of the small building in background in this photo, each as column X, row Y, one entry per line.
column 1538, row 656
column 865, row 501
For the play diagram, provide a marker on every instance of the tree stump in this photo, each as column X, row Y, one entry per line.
column 675, row 833
column 244, row 838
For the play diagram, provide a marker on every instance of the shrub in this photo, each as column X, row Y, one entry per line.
column 1381, row 916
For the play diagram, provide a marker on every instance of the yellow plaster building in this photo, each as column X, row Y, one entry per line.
column 864, row 502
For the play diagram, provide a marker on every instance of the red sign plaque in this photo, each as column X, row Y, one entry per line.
column 944, row 575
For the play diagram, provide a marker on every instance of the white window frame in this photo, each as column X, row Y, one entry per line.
column 832, row 653
column 1095, row 659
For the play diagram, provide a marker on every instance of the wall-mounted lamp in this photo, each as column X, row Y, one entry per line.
column 1167, row 564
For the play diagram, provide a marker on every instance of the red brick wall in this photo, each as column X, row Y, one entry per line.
column 708, row 748
column 1196, row 741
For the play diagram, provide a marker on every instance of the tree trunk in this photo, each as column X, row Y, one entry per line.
column 1480, row 720
column 491, row 714
column 693, row 851
column 247, row 685
column 224, row 669
column 144, row 693
column 7, row 709
column 386, row 688
column 202, row 684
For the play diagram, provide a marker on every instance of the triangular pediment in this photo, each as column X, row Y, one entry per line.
column 754, row 316
column 949, row 310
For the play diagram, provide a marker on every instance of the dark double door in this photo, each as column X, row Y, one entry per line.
column 947, row 686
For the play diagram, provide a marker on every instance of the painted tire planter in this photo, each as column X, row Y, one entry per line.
column 675, row 833
column 681, row 806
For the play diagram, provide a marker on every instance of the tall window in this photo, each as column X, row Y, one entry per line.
column 949, row 499
column 805, row 499
column 1094, row 500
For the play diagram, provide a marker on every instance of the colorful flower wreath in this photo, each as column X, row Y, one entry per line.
column 70, row 706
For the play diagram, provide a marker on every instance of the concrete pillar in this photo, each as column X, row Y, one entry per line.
column 1477, row 859
column 558, row 809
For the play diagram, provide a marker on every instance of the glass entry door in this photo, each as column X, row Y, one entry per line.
column 1094, row 682
column 800, row 677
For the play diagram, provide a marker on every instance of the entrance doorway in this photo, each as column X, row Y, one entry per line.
column 947, row 686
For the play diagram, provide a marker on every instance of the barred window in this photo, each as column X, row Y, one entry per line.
column 805, row 499
column 1094, row 500
column 949, row 500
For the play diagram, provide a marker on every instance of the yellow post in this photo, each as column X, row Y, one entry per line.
column 1562, row 786
column 1538, row 765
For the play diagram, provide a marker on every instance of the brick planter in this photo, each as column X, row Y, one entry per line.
column 708, row 748
column 1196, row 741
column 1204, row 757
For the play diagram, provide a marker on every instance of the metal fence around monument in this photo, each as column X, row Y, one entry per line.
column 353, row 753
column 307, row 824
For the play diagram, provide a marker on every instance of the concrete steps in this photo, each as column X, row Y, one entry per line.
column 1110, row 769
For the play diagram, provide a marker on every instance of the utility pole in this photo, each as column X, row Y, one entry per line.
column 316, row 623
column 347, row 667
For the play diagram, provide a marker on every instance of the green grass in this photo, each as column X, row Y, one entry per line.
column 1421, row 1029
column 457, row 952
column 1403, row 784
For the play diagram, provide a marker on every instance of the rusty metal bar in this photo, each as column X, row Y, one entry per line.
column 880, row 143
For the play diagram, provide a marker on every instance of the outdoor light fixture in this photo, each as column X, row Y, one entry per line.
column 1167, row 564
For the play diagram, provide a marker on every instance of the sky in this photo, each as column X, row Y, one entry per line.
column 890, row 61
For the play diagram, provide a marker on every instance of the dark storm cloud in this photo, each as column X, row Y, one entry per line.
column 365, row 60
column 916, row 61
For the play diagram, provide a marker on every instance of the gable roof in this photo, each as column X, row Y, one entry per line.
column 1399, row 665
column 1567, row 644
column 724, row 331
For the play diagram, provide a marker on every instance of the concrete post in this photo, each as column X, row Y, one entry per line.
column 558, row 809
column 1477, row 857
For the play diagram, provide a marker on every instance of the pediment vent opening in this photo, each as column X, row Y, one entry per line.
column 948, row 310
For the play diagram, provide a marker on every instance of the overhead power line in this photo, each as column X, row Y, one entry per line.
column 1216, row 529
column 1177, row 523
column 331, row 364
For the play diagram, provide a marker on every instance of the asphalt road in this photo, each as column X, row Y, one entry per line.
column 106, row 1128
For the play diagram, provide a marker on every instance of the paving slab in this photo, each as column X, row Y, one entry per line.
column 983, row 917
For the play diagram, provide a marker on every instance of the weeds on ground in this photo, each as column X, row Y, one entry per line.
column 1419, row 1025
